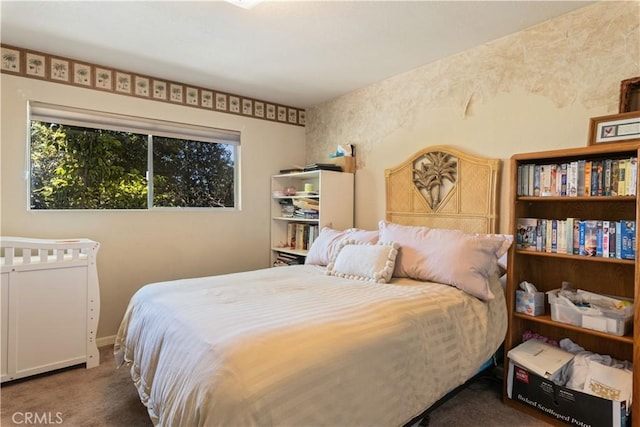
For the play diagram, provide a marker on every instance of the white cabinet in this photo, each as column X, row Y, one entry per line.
column 332, row 192
column 50, row 305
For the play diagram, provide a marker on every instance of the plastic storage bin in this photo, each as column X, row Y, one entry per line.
column 611, row 321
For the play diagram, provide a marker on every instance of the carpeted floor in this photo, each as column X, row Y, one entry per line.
column 105, row 396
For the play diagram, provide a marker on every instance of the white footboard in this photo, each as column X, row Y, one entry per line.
column 50, row 305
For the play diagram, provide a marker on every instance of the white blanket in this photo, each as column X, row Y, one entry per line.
column 291, row 346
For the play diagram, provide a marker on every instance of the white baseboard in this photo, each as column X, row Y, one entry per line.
column 105, row 341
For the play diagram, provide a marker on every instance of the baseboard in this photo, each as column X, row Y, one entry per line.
column 105, row 341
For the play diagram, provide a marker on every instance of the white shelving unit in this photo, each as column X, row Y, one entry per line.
column 334, row 192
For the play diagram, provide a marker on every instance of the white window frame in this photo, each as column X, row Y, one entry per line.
column 64, row 115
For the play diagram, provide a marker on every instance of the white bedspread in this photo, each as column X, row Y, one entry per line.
column 290, row 346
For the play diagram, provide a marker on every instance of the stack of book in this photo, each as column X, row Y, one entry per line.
column 592, row 177
column 301, row 236
column 322, row 166
column 598, row 238
column 287, row 259
column 306, row 208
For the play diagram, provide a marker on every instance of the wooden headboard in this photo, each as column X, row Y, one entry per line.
column 442, row 187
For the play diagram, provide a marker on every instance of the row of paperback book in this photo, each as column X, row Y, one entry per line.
column 596, row 238
column 300, row 236
column 606, row 177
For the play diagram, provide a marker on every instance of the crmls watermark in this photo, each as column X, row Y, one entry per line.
column 40, row 418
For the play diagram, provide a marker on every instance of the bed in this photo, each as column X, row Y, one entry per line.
column 372, row 330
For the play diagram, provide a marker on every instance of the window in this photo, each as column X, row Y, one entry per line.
column 89, row 160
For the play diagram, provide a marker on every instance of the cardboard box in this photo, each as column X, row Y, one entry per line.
column 564, row 404
column 530, row 303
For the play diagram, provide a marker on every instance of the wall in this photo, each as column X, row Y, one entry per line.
column 533, row 90
column 140, row 247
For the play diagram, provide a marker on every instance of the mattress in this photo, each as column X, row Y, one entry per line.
column 292, row 346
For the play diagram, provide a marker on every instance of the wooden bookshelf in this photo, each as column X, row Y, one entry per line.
column 547, row 271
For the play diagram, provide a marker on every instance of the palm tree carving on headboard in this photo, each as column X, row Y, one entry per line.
column 436, row 168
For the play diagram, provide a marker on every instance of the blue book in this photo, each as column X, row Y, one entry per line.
column 628, row 236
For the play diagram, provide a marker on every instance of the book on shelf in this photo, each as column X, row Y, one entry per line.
column 583, row 177
column 562, row 236
column 587, row 177
column 633, row 173
column 526, row 234
column 628, row 239
column 554, row 236
column 593, row 238
column 562, row 173
column 300, row 236
column 605, row 239
column 607, row 177
column 322, row 166
column 533, row 177
column 622, row 177
column 284, row 258
column 599, row 238
column 553, row 170
column 588, row 237
column 580, row 178
column 612, row 239
column 545, row 180
column 614, row 177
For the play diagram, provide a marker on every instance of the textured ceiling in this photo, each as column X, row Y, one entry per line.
column 297, row 53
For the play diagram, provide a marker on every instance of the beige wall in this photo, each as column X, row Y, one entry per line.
column 139, row 247
column 533, row 90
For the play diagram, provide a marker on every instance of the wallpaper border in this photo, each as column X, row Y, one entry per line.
column 74, row 72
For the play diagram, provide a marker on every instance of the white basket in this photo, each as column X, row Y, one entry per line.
column 616, row 322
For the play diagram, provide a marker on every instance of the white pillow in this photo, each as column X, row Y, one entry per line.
column 447, row 256
column 326, row 246
column 364, row 261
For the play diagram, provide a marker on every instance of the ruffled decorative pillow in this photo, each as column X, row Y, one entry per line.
column 325, row 247
column 364, row 261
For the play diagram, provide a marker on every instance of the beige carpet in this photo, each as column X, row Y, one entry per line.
column 105, row 396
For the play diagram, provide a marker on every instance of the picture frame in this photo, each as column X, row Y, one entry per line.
column 192, row 96
column 247, row 107
column 234, row 104
column 293, row 116
column 258, row 108
column 221, row 101
column 104, row 79
column 630, row 95
column 82, row 74
column 176, row 93
column 622, row 127
column 206, row 98
column 59, row 70
column 36, row 65
column 271, row 112
column 142, row 85
column 160, row 90
column 11, row 60
column 282, row 113
column 123, row 82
